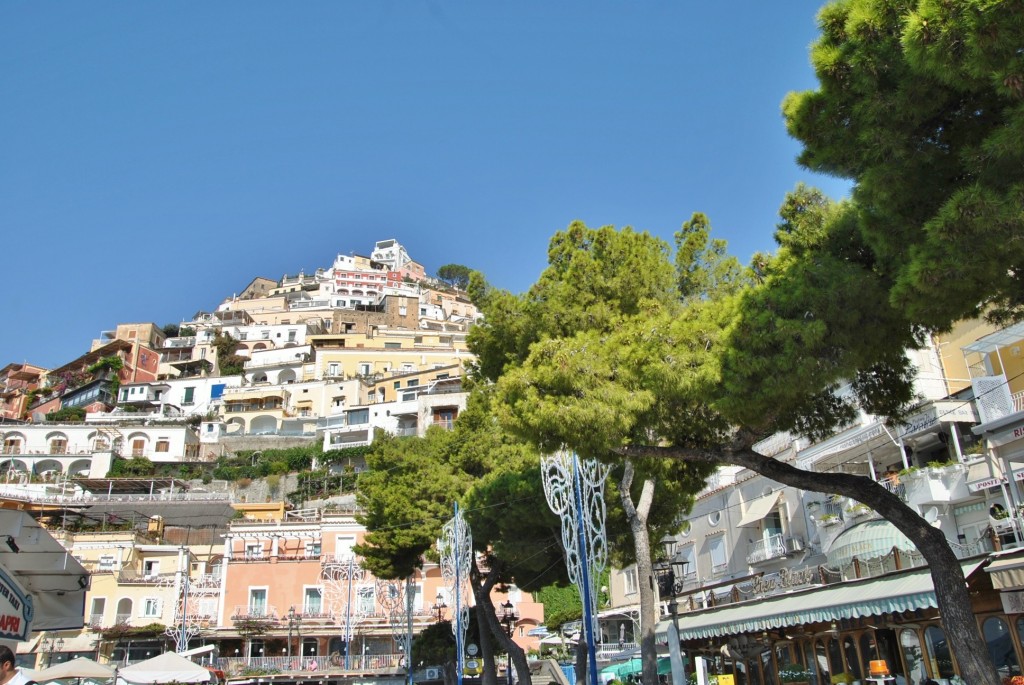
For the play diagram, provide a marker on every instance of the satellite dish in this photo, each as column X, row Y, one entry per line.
column 931, row 515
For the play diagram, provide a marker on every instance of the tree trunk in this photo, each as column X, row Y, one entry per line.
column 487, row 616
column 965, row 639
column 581, row 659
column 636, row 515
column 490, row 673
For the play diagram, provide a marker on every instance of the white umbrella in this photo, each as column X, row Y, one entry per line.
column 80, row 667
column 164, row 668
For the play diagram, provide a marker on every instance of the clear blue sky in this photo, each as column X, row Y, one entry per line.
column 155, row 157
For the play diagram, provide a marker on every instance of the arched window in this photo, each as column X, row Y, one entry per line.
column 910, row 644
column 1000, row 646
column 939, row 656
column 124, row 610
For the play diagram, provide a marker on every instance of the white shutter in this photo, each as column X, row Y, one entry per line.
column 992, row 395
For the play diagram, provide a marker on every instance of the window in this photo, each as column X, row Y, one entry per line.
column 151, row 568
column 333, row 369
column 242, row 335
column 150, row 607
column 630, row 581
column 124, row 394
column 358, row 417
column 312, row 548
column 106, row 562
column 392, row 346
column 291, row 336
column 190, row 393
column 99, row 605
column 716, row 547
column 138, row 447
column 163, row 445
column 58, row 446
column 938, row 650
column 1000, row 646
column 265, row 335
column 343, row 546
column 257, row 601
column 364, row 368
column 690, row 557
column 12, row 446
column 413, row 382
column 253, row 550
column 365, row 602
column 312, row 601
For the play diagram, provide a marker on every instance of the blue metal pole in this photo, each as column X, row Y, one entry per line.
column 459, row 658
column 588, row 619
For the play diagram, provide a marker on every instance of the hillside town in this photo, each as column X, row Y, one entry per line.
column 106, row 474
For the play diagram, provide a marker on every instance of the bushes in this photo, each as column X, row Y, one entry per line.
column 67, row 414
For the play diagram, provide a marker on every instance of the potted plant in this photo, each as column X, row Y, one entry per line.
column 795, row 674
column 844, row 678
column 829, row 519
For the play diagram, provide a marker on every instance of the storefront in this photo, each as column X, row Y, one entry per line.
column 42, row 587
column 830, row 634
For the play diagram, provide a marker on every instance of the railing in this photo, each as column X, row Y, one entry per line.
column 207, row 581
column 1018, row 401
column 772, row 547
column 895, row 487
column 405, row 431
column 104, row 497
column 121, row 619
column 446, row 424
column 243, row 611
column 309, row 664
column 95, row 620
column 133, row 577
column 188, row 341
column 232, row 408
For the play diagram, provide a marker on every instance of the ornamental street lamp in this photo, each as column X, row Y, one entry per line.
column 53, row 644
column 670, row 573
column 509, row 617
column 439, row 607
column 294, row 620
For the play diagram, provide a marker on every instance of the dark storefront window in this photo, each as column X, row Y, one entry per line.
column 938, row 652
column 881, row 644
column 821, row 659
column 835, row 658
column 852, row 661
column 766, row 667
column 1000, row 646
column 912, row 655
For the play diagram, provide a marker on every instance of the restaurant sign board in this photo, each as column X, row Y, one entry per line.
column 15, row 610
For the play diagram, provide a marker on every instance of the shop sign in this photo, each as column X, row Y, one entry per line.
column 1013, row 602
column 785, row 579
column 15, row 610
column 1004, row 437
column 979, row 485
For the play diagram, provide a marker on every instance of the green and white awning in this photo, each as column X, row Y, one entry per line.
column 868, row 597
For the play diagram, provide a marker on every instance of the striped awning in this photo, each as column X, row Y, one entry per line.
column 867, row 597
column 1007, row 574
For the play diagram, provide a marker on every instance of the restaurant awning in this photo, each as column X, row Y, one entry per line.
column 867, row 597
column 984, row 474
column 55, row 580
column 1007, row 574
column 758, row 509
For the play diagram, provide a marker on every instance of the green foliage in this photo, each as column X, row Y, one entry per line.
column 232, row 365
column 253, row 464
column 131, row 468
column 562, row 604
column 186, row 331
column 67, row 414
column 434, row 645
column 455, row 275
column 703, row 267
column 112, row 363
column 122, row 631
column 920, row 104
column 171, row 330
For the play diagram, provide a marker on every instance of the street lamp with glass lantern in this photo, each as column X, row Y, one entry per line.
column 440, row 606
column 509, row 617
column 294, row 619
column 672, row 572
column 55, row 644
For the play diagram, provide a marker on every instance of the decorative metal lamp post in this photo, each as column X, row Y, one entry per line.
column 509, row 617
column 294, row 620
column 440, row 606
column 54, row 644
column 671, row 574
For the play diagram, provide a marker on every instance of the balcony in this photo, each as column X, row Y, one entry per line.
column 254, row 611
column 95, row 621
column 132, row 577
column 773, row 547
column 122, row 619
column 928, row 486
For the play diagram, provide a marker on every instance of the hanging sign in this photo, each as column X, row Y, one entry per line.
column 15, row 610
